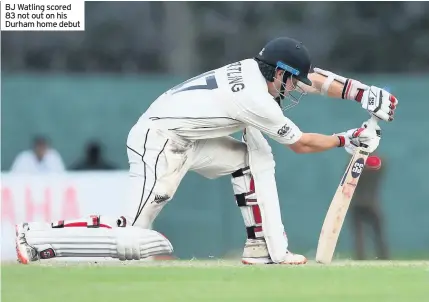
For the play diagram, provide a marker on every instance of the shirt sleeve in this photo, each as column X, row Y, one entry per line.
column 266, row 115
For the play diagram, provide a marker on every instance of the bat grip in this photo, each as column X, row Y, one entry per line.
column 372, row 122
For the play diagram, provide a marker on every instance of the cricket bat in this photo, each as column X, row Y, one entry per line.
column 340, row 203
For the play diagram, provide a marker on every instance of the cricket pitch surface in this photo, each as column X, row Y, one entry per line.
column 215, row 280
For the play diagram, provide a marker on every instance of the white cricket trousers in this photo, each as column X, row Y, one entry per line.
column 159, row 159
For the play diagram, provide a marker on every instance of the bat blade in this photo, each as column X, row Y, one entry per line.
column 339, row 206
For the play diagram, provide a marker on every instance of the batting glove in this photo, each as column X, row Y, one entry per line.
column 377, row 101
column 368, row 139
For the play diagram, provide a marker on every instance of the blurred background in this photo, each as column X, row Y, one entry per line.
column 69, row 99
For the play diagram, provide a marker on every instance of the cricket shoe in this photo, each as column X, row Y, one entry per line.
column 256, row 252
column 24, row 252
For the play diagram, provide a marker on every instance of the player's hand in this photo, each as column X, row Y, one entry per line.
column 368, row 139
column 378, row 102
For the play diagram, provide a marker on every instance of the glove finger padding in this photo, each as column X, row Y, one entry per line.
column 350, row 149
column 364, row 137
column 372, row 145
column 360, row 137
column 379, row 103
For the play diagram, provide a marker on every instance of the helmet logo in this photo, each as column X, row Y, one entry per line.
column 262, row 52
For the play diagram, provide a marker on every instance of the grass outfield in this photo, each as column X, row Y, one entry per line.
column 216, row 281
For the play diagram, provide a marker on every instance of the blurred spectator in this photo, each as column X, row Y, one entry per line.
column 93, row 160
column 42, row 158
column 366, row 211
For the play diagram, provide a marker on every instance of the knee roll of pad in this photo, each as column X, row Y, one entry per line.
column 128, row 244
column 134, row 243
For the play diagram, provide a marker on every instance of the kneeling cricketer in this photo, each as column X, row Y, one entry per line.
column 188, row 128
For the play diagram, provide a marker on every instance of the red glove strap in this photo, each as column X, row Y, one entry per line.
column 342, row 140
column 359, row 95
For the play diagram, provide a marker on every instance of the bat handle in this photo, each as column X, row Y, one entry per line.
column 372, row 122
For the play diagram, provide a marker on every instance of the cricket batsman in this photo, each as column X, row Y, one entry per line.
column 188, row 128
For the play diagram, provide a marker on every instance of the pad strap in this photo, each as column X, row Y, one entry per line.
column 255, row 232
column 247, row 202
column 93, row 221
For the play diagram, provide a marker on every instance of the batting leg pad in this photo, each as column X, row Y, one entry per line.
column 92, row 238
column 261, row 215
column 245, row 197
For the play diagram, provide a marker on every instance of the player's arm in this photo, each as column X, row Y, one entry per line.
column 377, row 101
column 334, row 89
column 315, row 142
column 268, row 118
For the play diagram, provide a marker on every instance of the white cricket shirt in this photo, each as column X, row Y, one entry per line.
column 221, row 102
